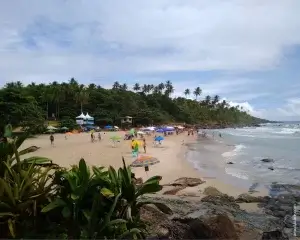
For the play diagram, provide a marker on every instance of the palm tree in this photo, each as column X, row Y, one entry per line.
column 116, row 85
column 46, row 98
column 145, row 88
column 207, row 100
column 136, row 87
column 169, row 88
column 197, row 92
column 187, row 92
column 82, row 97
column 216, row 100
column 161, row 87
column 124, row 87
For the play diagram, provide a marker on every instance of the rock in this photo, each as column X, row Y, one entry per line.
column 247, row 198
column 239, row 227
column 276, row 234
column 212, row 191
column 271, row 168
column 173, row 191
column 190, row 182
column 29, row 150
column 267, row 160
column 230, row 163
column 218, row 226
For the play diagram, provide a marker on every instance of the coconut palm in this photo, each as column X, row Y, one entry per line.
column 197, row 92
column 136, row 87
column 187, row 92
column 82, row 97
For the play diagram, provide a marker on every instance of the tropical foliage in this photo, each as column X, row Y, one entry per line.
column 39, row 199
column 28, row 105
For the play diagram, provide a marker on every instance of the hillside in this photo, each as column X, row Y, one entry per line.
column 147, row 104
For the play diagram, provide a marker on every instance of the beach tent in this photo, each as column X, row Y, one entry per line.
column 88, row 117
column 169, row 128
column 81, row 116
column 108, row 127
column 150, row 128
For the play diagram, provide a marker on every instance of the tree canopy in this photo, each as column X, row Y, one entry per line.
column 148, row 104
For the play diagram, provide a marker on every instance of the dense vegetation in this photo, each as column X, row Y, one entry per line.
column 39, row 199
column 32, row 104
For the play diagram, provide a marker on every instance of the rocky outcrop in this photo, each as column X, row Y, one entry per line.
column 212, row 191
column 247, row 198
column 267, row 160
column 187, row 182
column 213, row 217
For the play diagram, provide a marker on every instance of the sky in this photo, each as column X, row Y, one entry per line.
column 247, row 52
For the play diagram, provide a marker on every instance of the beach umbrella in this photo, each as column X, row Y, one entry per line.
column 132, row 131
column 50, row 131
column 108, row 127
column 115, row 138
column 144, row 161
column 141, row 132
column 160, row 130
column 170, row 128
column 64, row 128
column 159, row 138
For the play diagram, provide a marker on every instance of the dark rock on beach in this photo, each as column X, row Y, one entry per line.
column 216, row 216
column 230, row 163
column 267, row 160
column 187, row 182
column 271, row 168
column 247, row 198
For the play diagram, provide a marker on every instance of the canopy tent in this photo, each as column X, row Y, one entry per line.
column 81, row 116
column 88, row 117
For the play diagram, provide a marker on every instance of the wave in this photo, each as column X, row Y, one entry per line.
column 237, row 150
column 236, row 173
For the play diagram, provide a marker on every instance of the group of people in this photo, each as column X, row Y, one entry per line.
column 93, row 138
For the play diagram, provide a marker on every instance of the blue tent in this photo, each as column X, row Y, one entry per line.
column 108, row 127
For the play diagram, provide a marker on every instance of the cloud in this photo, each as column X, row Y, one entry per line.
column 104, row 41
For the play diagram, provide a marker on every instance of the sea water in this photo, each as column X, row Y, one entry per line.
column 280, row 142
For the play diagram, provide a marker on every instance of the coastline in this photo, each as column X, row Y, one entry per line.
column 174, row 162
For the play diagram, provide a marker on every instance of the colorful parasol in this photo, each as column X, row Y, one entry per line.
column 115, row 138
column 144, row 161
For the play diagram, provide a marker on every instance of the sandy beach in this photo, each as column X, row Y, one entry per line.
column 171, row 154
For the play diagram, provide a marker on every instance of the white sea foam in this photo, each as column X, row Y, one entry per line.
column 236, row 173
column 237, row 150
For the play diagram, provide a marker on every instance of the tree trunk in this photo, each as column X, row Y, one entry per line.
column 81, row 106
column 47, row 115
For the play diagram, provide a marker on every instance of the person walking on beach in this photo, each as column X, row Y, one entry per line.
column 92, row 137
column 99, row 136
column 51, row 139
column 144, row 144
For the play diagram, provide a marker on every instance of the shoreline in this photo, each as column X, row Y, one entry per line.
column 174, row 162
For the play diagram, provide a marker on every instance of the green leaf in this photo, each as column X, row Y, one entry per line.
column 66, row 212
column 55, row 204
column 150, row 188
column 107, row 193
column 117, row 222
column 12, row 227
column 6, row 214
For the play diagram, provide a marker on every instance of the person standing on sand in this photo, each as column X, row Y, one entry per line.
column 51, row 139
column 99, row 136
column 92, row 137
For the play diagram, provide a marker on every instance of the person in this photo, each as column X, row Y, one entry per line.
column 99, row 136
column 220, row 135
column 51, row 139
column 92, row 137
column 144, row 144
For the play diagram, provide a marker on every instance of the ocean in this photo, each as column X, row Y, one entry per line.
column 280, row 142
